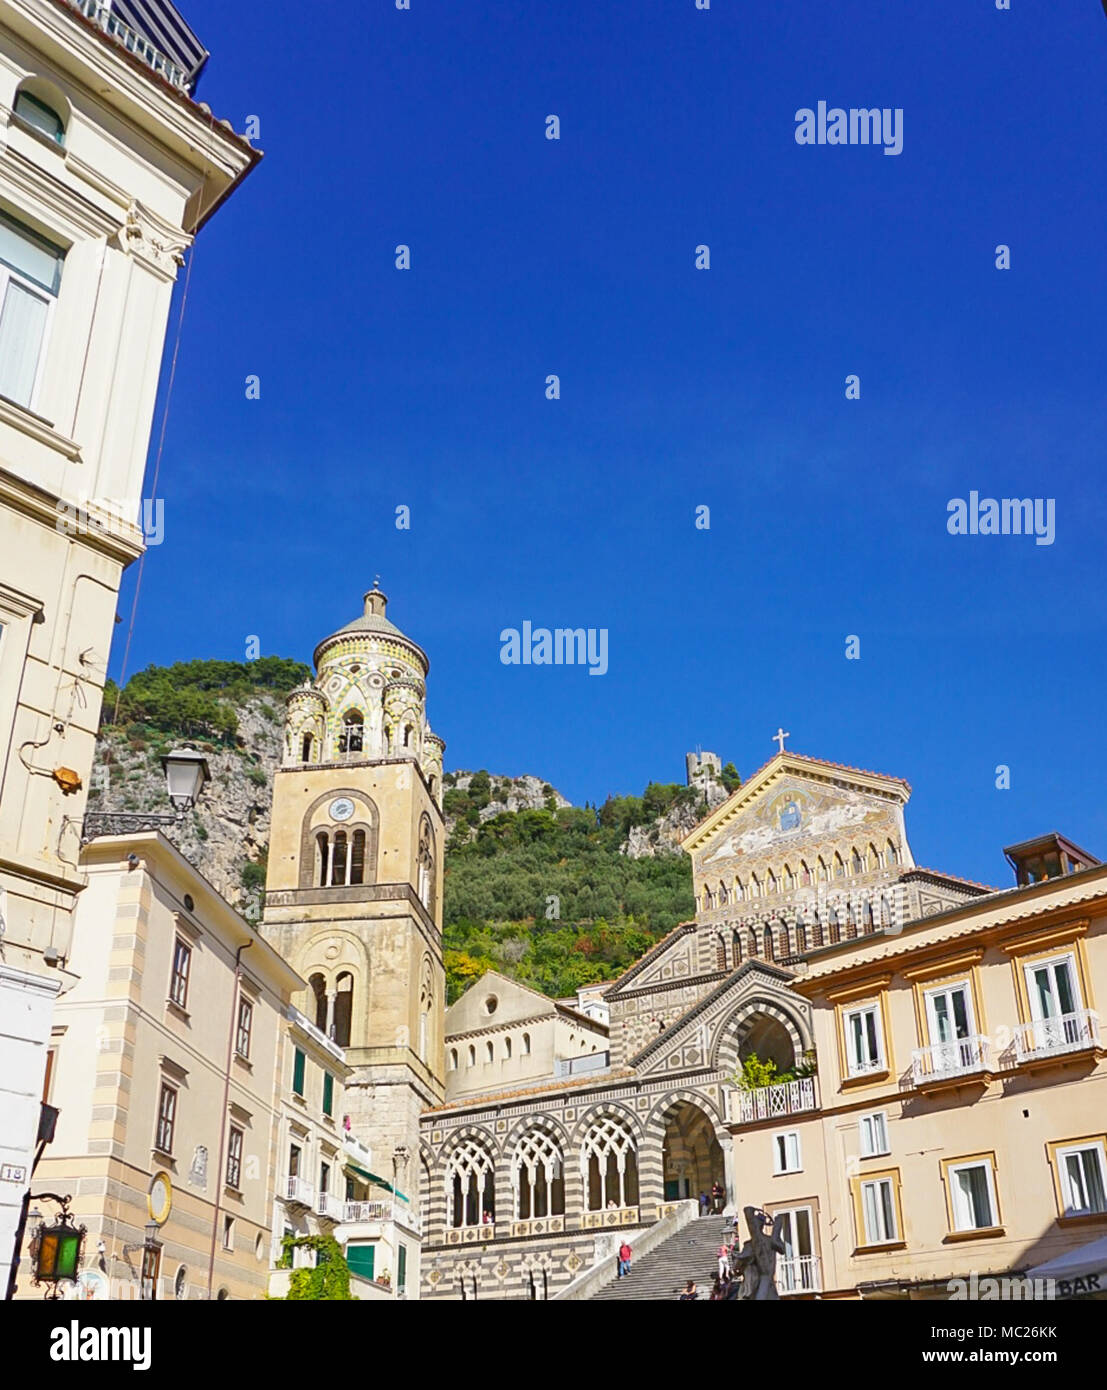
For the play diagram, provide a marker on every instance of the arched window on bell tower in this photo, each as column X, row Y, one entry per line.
column 319, row 994
column 426, row 865
column 305, row 749
column 344, row 1009
column 352, row 737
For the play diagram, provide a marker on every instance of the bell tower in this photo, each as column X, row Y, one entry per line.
column 354, row 887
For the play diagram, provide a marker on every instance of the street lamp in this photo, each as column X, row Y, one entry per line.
column 186, row 772
column 56, row 1249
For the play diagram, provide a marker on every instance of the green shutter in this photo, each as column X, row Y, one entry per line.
column 328, row 1093
column 298, row 1073
column 360, row 1258
column 401, row 1267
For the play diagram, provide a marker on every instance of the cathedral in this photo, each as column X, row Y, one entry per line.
column 535, row 1134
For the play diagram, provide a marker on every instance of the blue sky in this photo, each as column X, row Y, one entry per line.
column 680, row 388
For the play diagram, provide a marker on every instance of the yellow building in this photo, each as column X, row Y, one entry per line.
column 164, row 1064
column 959, row 1126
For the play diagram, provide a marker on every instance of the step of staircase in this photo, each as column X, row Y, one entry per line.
column 662, row 1274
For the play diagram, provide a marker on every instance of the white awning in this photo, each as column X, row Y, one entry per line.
column 1083, row 1270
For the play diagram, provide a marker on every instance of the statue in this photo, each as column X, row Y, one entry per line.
column 756, row 1261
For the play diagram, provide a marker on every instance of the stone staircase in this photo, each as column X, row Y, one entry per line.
column 662, row 1274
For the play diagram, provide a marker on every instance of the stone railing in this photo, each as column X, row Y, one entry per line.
column 609, row 1216
column 588, row 1284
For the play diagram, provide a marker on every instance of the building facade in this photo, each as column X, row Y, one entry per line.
column 164, row 1064
column 108, row 168
column 533, row 1178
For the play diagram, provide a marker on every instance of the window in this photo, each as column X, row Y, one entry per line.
column 328, row 1093
column 489, row 1052
column 453, row 1059
column 401, row 1268
column 878, row 1211
column 245, row 1026
column 167, row 1119
column 537, row 1175
column 1050, row 987
column 178, row 983
column 786, row 1152
column 971, row 1195
column 361, row 1259
column 228, row 1239
column 324, row 1178
column 864, row 1052
column 42, row 117
column 1082, row 1170
column 351, row 739
column 873, row 1130
column 798, row 1267
column 526, row 1044
column 472, row 1055
column 234, row 1158
column 299, row 1062
column 293, row 1160
column 30, row 277
column 507, row 1048
column 305, row 749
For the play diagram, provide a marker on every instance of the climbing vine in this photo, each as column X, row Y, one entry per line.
column 330, row 1279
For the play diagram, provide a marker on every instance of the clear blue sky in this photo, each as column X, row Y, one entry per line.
column 679, row 388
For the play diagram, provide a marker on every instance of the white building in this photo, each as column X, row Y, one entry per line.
column 108, row 168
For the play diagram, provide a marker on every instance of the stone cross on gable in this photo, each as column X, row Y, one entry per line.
column 780, row 736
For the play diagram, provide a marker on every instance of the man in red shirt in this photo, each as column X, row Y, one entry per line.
column 625, row 1253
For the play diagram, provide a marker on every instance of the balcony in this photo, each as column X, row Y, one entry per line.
column 950, row 1063
column 772, row 1102
column 1047, row 1038
column 377, row 1212
column 329, row 1207
column 298, row 1192
column 800, row 1274
column 607, row 1217
column 100, row 13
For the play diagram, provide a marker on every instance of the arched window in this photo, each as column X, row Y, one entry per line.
column 816, row 929
column 805, row 875
column 609, row 1164
column 339, row 848
column 42, row 117
column 343, row 1009
column 893, row 857
column 722, row 894
column 769, row 952
column 489, row 1052
column 322, row 859
column 305, row 749
column 471, row 1184
column 755, row 886
column 789, row 878
column 357, row 857
column 867, row 915
column 319, row 994
column 352, row 737
column 472, row 1055
column 858, row 864
column 426, row 864
column 453, row 1059
column 801, row 937
column 770, row 886
column 832, row 923
column 823, row 875
column 753, row 942
column 736, row 948
column 839, row 867
column 538, row 1176
column 708, row 899
column 720, row 952
column 408, row 731
column 507, row 1048
column 526, row 1044
column 426, row 1007
column 739, row 889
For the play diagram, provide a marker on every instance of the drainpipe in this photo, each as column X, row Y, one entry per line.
column 223, row 1115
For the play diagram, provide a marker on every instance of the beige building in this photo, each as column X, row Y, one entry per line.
column 165, row 1060
column 108, row 169
column 501, row 1034
column 959, row 1126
